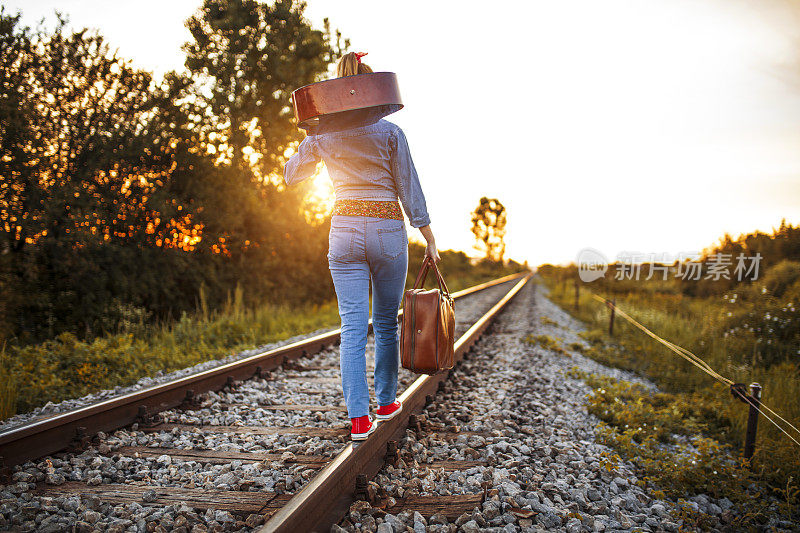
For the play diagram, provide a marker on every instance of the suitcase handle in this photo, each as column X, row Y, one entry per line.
column 427, row 262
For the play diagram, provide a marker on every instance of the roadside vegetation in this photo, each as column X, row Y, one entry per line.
column 664, row 435
column 748, row 331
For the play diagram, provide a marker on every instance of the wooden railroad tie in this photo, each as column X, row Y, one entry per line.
column 312, row 379
column 198, row 499
column 450, row 506
column 326, row 433
column 297, row 367
column 314, row 391
column 225, row 457
column 450, row 435
column 285, row 407
column 453, row 466
column 219, row 457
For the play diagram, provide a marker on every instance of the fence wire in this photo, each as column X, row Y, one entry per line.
column 705, row 367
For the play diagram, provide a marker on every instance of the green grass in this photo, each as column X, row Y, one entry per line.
column 547, row 342
column 66, row 367
column 699, row 324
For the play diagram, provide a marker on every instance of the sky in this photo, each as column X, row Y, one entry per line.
column 652, row 126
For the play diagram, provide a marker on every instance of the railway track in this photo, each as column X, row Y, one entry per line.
column 322, row 502
column 264, row 438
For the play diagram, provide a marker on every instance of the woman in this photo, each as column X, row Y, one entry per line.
column 370, row 166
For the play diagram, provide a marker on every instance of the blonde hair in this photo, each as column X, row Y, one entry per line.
column 349, row 66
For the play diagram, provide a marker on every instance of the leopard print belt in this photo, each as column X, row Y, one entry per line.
column 368, row 208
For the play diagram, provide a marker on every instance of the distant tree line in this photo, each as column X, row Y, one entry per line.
column 121, row 195
column 781, row 246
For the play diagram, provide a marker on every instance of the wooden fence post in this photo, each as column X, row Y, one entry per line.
column 577, row 293
column 752, row 421
column 612, row 307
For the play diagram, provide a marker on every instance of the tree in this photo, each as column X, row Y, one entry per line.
column 248, row 56
column 87, row 165
column 489, row 227
column 114, row 200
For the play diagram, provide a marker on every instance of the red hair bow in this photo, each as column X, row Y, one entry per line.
column 359, row 55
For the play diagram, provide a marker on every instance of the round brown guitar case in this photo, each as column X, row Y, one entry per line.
column 346, row 102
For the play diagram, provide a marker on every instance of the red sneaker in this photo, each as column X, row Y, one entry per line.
column 362, row 428
column 389, row 411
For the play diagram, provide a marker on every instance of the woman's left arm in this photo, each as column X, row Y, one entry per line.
column 303, row 163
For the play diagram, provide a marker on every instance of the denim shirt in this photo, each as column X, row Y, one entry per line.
column 368, row 162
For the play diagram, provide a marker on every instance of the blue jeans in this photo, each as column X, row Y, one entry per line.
column 362, row 250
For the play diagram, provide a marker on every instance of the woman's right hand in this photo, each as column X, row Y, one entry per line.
column 430, row 249
column 432, row 252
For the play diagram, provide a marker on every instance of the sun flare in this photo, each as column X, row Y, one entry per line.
column 322, row 186
column 318, row 202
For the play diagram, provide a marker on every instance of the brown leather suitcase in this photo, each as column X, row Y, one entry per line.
column 428, row 325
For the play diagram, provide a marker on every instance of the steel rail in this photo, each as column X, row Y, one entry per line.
column 325, row 499
column 49, row 435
